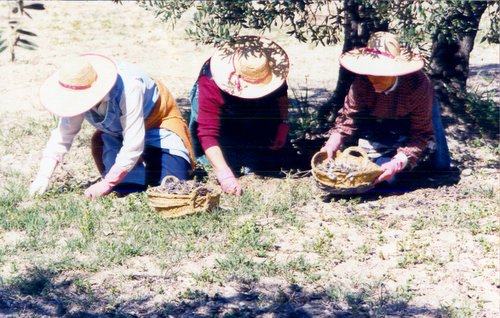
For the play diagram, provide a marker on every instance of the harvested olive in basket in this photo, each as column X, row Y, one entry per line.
column 180, row 187
column 333, row 167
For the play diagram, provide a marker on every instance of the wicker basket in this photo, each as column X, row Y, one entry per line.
column 170, row 205
column 344, row 182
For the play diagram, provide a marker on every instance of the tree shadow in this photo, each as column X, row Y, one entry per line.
column 49, row 294
column 487, row 70
column 407, row 182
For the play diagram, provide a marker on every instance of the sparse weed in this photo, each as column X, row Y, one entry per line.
column 298, row 264
column 381, row 239
column 363, row 252
column 484, row 111
column 84, row 287
column 324, row 243
column 414, row 252
column 250, row 236
column 89, row 224
column 476, row 216
column 455, row 311
column 298, row 269
column 76, row 24
column 487, row 246
column 419, row 224
column 3, row 253
column 106, row 24
column 374, row 299
column 237, row 267
column 15, row 139
column 336, row 293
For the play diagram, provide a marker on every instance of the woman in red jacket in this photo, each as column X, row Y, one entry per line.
column 239, row 110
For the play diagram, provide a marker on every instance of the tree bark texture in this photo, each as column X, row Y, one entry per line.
column 449, row 67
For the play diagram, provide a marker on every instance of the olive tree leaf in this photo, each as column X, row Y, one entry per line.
column 25, row 32
column 35, row 6
column 26, row 43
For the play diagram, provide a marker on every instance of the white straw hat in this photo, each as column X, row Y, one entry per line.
column 78, row 85
column 382, row 56
column 251, row 67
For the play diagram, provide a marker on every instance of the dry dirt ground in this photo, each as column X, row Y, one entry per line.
column 454, row 273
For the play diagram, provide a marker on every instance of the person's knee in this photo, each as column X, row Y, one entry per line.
column 171, row 165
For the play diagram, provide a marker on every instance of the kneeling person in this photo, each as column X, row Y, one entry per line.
column 139, row 126
column 239, row 111
column 390, row 110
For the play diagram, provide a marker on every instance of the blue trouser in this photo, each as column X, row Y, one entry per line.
column 156, row 163
column 439, row 159
column 436, row 157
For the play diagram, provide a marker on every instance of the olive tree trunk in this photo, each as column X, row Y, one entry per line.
column 359, row 24
column 449, row 67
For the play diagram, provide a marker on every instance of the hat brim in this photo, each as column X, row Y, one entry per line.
column 363, row 62
column 67, row 102
column 222, row 67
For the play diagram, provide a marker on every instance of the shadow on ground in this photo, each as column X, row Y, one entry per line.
column 48, row 294
column 406, row 183
column 490, row 71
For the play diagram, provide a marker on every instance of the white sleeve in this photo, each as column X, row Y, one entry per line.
column 132, row 121
column 62, row 136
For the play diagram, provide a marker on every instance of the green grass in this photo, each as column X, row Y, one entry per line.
column 134, row 226
column 109, row 232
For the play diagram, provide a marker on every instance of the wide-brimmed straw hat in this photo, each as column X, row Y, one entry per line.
column 78, row 85
column 250, row 67
column 382, row 56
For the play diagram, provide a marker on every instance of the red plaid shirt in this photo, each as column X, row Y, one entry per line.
column 411, row 98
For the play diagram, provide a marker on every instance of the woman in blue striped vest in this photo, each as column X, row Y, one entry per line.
column 141, row 130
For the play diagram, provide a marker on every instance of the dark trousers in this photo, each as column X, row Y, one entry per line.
column 155, row 164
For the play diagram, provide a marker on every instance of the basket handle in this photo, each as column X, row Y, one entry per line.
column 317, row 158
column 198, row 189
column 168, row 178
column 196, row 193
column 355, row 152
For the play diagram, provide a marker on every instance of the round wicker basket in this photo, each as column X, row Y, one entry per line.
column 345, row 182
column 171, row 205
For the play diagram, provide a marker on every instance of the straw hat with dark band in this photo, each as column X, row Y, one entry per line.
column 251, row 67
column 78, row 85
column 383, row 56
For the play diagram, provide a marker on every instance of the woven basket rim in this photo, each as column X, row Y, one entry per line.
column 171, row 205
column 150, row 192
